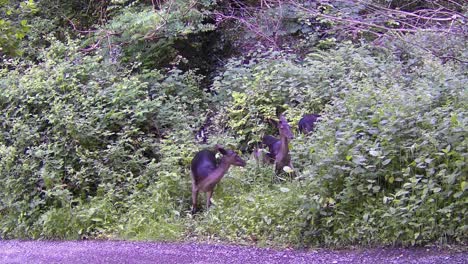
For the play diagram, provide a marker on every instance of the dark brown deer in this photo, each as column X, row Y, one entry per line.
column 307, row 123
column 278, row 148
column 206, row 172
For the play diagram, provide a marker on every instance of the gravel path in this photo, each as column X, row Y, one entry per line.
column 14, row 251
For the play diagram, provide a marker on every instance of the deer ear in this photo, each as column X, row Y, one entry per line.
column 282, row 118
column 221, row 149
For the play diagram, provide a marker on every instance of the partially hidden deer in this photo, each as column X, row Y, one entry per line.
column 279, row 148
column 307, row 123
column 207, row 172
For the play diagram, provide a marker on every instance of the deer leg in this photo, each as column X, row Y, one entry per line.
column 194, row 199
column 293, row 173
column 277, row 167
column 208, row 199
column 275, row 172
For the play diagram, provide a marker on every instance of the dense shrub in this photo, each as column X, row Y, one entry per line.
column 76, row 127
column 387, row 163
column 391, row 156
column 253, row 92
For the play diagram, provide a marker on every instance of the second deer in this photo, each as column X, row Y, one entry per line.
column 279, row 148
column 307, row 123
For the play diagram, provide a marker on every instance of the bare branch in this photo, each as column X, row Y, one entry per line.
column 428, row 20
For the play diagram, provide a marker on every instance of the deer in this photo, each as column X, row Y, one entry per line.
column 206, row 172
column 278, row 148
column 307, row 123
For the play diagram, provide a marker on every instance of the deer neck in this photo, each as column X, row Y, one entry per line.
column 216, row 175
column 284, row 147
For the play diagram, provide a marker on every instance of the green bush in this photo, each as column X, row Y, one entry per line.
column 387, row 164
column 252, row 92
column 76, row 127
column 391, row 156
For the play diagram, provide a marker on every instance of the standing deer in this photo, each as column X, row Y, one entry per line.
column 206, row 172
column 278, row 148
column 307, row 123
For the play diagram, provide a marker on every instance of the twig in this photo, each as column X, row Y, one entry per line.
column 77, row 30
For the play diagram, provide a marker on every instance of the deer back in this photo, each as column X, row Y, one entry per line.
column 203, row 164
column 273, row 144
column 307, row 123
